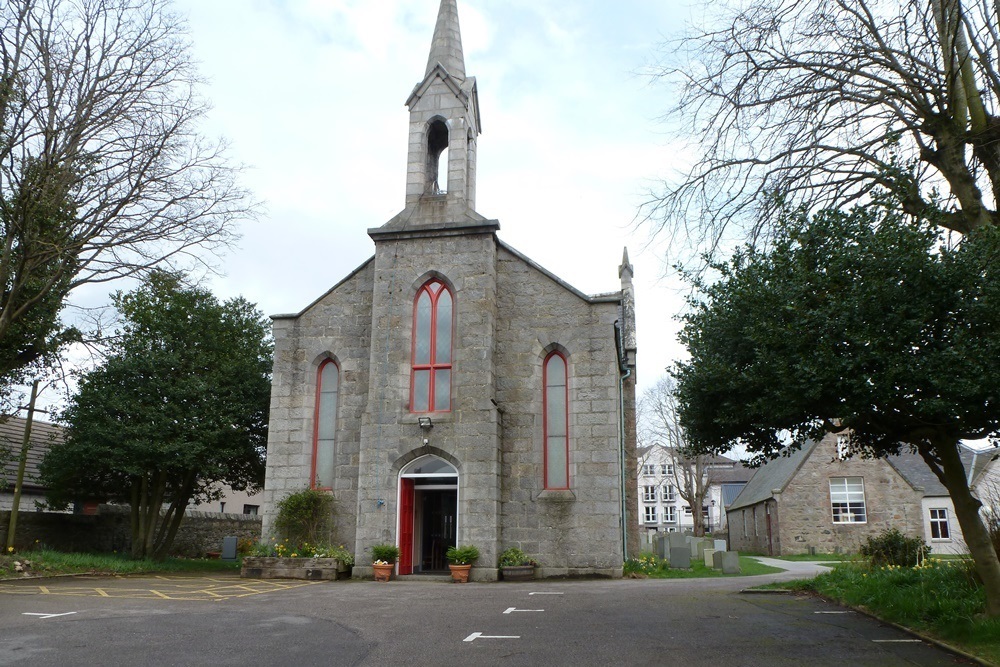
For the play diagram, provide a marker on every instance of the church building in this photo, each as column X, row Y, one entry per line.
column 452, row 391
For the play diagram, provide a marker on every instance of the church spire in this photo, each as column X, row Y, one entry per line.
column 447, row 45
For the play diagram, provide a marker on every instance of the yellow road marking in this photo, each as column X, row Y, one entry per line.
column 203, row 589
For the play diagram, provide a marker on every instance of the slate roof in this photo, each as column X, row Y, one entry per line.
column 773, row 475
column 11, row 436
column 777, row 473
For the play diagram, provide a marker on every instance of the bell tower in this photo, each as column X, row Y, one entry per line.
column 444, row 129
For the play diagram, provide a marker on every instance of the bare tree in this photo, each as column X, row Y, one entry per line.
column 103, row 172
column 818, row 102
column 660, row 421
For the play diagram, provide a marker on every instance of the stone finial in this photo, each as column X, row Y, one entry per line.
column 446, row 48
column 625, row 271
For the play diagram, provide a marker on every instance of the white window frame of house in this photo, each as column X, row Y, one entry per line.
column 649, row 494
column 847, row 500
column 649, row 514
column 666, row 468
column 669, row 514
column 648, row 469
column 669, row 493
column 939, row 521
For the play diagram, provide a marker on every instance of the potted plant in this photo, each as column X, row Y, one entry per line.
column 515, row 565
column 384, row 560
column 460, row 560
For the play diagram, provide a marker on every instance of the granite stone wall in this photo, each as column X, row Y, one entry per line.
column 110, row 531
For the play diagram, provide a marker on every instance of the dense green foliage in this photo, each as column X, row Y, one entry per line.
column 862, row 322
column 512, row 556
column 463, row 555
column 177, row 409
column 388, row 553
column 304, row 516
column 891, row 547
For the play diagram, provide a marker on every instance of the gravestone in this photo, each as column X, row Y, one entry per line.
column 229, row 548
column 708, row 554
column 717, row 560
column 720, row 545
column 677, row 541
column 660, row 545
column 730, row 562
column 680, row 558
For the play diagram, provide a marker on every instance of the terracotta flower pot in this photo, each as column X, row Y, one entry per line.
column 383, row 572
column 460, row 573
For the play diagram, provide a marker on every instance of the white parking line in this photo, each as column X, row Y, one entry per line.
column 833, row 612
column 544, row 593
column 42, row 617
column 511, row 610
column 898, row 641
column 478, row 635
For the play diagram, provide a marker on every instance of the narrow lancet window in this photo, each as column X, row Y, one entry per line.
column 556, row 422
column 325, row 425
column 430, row 382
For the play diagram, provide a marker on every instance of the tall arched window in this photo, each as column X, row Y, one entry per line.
column 556, row 421
column 325, row 425
column 430, row 381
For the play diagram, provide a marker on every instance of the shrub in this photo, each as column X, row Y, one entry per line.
column 893, row 548
column 513, row 556
column 462, row 555
column 304, row 516
column 385, row 552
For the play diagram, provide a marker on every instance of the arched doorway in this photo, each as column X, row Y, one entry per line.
column 428, row 514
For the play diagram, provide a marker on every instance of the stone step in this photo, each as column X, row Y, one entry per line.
column 426, row 578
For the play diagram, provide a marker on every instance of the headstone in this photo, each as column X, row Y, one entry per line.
column 708, row 553
column 677, row 541
column 660, row 545
column 229, row 548
column 730, row 562
column 695, row 546
column 703, row 545
column 717, row 560
column 720, row 545
column 680, row 558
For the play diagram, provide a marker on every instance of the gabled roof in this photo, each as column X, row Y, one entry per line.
column 773, row 475
column 43, row 435
column 913, row 469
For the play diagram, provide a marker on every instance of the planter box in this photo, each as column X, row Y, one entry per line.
column 313, row 569
column 518, row 572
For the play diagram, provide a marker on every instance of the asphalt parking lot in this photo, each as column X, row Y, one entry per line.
column 221, row 620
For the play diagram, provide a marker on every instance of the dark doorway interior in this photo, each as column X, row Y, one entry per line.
column 436, row 509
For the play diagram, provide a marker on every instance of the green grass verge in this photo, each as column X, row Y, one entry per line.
column 653, row 568
column 48, row 562
column 942, row 599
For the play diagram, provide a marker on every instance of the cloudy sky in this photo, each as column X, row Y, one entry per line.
column 310, row 94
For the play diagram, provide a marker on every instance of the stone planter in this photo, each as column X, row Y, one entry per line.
column 518, row 572
column 383, row 572
column 460, row 573
column 313, row 569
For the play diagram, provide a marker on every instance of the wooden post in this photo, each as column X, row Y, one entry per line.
column 25, row 446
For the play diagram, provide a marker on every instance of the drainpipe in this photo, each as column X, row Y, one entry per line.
column 624, row 372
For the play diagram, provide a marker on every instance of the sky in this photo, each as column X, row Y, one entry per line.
column 310, row 96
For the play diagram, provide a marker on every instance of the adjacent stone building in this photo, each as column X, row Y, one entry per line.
column 451, row 390
column 816, row 501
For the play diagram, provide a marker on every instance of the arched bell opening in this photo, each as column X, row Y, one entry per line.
column 437, row 157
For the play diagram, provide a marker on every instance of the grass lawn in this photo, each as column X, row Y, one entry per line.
column 939, row 599
column 654, row 569
column 47, row 562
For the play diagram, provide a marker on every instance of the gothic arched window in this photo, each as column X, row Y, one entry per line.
column 430, row 380
column 325, row 425
column 556, row 421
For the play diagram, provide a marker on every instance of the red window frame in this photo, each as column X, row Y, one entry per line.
column 545, row 419
column 316, row 418
column 433, row 366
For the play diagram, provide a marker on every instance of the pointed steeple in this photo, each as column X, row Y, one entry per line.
column 447, row 45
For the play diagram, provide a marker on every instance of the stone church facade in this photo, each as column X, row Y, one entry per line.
column 451, row 390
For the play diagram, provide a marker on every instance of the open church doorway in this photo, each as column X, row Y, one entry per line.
column 428, row 514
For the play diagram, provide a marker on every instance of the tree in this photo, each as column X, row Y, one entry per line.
column 819, row 102
column 102, row 171
column 688, row 469
column 859, row 322
column 179, row 406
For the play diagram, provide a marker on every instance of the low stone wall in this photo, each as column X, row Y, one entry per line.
column 110, row 530
column 313, row 569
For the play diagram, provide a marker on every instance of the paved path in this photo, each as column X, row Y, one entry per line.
column 689, row 622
